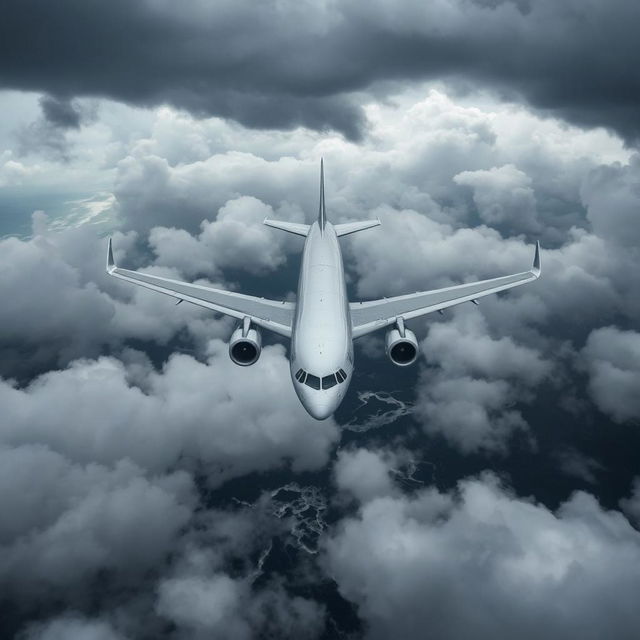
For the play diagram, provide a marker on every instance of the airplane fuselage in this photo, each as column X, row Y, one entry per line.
column 321, row 342
column 321, row 323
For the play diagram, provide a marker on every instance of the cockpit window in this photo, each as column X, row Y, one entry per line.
column 329, row 381
column 313, row 381
column 316, row 383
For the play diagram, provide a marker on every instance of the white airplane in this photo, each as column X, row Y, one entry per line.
column 322, row 323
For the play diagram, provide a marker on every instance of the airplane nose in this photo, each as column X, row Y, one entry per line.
column 320, row 404
column 320, row 411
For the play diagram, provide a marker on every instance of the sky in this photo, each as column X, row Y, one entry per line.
column 153, row 489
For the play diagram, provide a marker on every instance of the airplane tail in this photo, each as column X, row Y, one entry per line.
column 341, row 229
column 322, row 214
column 303, row 229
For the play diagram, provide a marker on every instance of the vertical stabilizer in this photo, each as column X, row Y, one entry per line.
column 322, row 214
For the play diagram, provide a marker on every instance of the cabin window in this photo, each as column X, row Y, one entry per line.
column 329, row 381
column 312, row 381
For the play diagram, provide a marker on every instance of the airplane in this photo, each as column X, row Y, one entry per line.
column 322, row 324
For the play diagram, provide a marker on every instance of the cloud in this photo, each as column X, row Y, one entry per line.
column 61, row 305
column 364, row 474
column 482, row 563
column 631, row 504
column 134, row 551
column 48, row 134
column 165, row 430
column 612, row 198
column 150, row 192
column 218, row 606
column 59, row 112
column 236, row 239
column 72, row 628
column 434, row 254
column 612, row 360
column 502, row 195
column 283, row 65
column 99, row 518
column 213, row 415
column 472, row 381
column 578, row 465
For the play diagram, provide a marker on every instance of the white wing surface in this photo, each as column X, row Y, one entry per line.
column 376, row 314
column 269, row 314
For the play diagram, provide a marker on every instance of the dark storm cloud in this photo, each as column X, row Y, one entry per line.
column 48, row 134
column 290, row 63
column 60, row 112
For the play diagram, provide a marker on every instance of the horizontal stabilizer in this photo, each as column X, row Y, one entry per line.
column 290, row 227
column 351, row 227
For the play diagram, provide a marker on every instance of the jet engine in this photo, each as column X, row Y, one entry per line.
column 245, row 346
column 402, row 350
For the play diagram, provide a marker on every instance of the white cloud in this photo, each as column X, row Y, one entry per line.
column 364, row 474
column 472, row 381
column 60, row 304
column 482, row 563
column 611, row 196
column 503, row 195
column 109, row 432
column 236, row 239
column 72, row 628
column 212, row 606
column 612, row 359
column 69, row 521
column 217, row 606
column 225, row 419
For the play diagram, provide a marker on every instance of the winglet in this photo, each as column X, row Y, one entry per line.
column 322, row 215
column 111, row 265
column 536, row 261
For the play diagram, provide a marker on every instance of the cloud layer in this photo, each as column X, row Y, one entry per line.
column 155, row 489
column 482, row 563
column 289, row 64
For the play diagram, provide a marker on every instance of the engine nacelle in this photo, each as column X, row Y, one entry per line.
column 245, row 350
column 402, row 351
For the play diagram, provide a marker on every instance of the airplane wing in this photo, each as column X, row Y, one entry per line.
column 376, row 314
column 269, row 314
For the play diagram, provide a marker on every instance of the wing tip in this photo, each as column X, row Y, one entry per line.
column 536, row 270
column 111, row 265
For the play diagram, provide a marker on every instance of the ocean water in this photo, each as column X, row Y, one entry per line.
column 64, row 209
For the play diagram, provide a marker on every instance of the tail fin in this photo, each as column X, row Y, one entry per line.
column 322, row 214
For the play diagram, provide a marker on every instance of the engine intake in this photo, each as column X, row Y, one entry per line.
column 402, row 351
column 245, row 349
